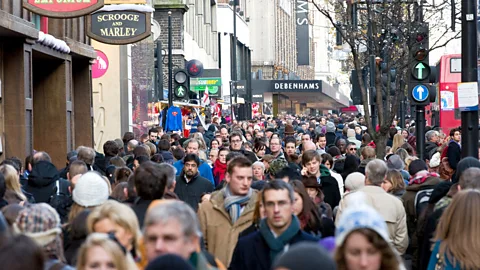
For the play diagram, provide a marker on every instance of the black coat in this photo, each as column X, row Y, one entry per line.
column 253, row 253
column 430, row 149
column 41, row 181
column 454, row 154
column 331, row 137
column 250, row 155
column 140, row 207
column 330, row 190
column 192, row 191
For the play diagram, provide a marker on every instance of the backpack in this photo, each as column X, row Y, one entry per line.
column 60, row 200
column 421, row 201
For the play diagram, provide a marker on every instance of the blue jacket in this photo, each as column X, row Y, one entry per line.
column 174, row 119
column 205, row 170
column 253, row 253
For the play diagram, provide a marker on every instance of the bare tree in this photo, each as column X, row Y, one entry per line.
column 383, row 31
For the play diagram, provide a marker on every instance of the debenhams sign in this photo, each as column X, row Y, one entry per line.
column 297, row 85
column 119, row 27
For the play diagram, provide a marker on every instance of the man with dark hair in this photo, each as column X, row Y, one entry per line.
column 342, row 145
column 321, row 143
column 230, row 210
column 236, row 146
column 454, row 149
column 178, row 154
column 164, row 150
column 150, row 182
column 189, row 184
column 72, row 155
column 153, row 135
column 276, row 148
column 352, row 148
column 110, row 150
column 42, row 179
column 192, row 147
column 139, row 160
column 279, row 230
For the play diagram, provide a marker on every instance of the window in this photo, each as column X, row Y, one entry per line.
column 456, row 65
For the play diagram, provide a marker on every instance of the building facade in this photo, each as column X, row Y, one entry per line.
column 45, row 90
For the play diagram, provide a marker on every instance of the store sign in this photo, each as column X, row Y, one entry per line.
column 100, row 65
column 212, row 85
column 119, row 27
column 63, row 8
column 287, row 85
column 303, row 32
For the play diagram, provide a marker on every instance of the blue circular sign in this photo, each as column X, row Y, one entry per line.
column 194, row 68
column 420, row 93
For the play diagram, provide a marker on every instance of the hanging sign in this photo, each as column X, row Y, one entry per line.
column 63, row 8
column 100, row 65
column 119, row 27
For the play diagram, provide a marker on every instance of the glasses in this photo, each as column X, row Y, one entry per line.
column 353, row 149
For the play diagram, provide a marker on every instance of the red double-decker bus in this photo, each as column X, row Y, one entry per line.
column 444, row 111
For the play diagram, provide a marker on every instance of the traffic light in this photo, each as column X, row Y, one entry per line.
column 389, row 78
column 356, row 93
column 419, row 90
column 181, row 85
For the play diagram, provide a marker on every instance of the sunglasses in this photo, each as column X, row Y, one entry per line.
column 352, row 149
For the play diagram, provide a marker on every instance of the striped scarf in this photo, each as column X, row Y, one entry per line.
column 234, row 203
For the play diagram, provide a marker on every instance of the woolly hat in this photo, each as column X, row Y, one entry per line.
column 416, row 166
column 90, row 190
column 289, row 130
column 330, row 127
column 435, row 160
column 355, row 181
column 350, row 132
column 39, row 222
column 395, row 162
column 359, row 216
column 169, row 261
column 305, row 256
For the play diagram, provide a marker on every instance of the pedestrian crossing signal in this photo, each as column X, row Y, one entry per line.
column 181, row 85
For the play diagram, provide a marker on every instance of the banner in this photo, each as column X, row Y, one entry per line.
column 303, row 34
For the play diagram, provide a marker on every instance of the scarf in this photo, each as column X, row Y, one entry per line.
column 233, row 204
column 421, row 177
column 277, row 244
column 219, row 170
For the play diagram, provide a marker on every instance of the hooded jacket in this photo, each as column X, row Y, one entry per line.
column 329, row 187
column 430, row 149
column 41, row 181
column 167, row 157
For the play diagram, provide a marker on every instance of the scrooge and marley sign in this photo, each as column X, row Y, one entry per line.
column 119, row 27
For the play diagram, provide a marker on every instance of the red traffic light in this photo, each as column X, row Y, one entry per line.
column 420, row 55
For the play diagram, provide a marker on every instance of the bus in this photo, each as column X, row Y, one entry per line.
column 444, row 112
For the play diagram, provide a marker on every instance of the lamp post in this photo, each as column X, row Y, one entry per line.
column 233, row 98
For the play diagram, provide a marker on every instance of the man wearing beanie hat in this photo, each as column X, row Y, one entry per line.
column 331, row 137
column 91, row 190
column 387, row 205
column 42, row 223
column 415, row 199
column 305, row 256
column 278, row 232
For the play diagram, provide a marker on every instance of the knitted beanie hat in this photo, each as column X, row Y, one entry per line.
column 359, row 215
column 305, row 256
column 40, row 222
column 416, row 166
column 90, row 190
column 330, row 127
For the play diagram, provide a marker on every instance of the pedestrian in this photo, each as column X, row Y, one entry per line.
column 362, row 240
column 258, row 170
column 102, row 252
column 236, row 145
column 41, row 223
column 305, row 256
column 120, row 219
column 456, row 239
column 220, row 166
column 394, row 183
column 74, row 236
column 21, row 252
column 387, row 205
column 43, row 178
column 258, row 215
column 173, row 228
column 351, row 165
column 189, row 184
column 230, row 210
column 150, row 183
column 14, row 192
column 279, row 229
column 454, row 148
column 192, row 147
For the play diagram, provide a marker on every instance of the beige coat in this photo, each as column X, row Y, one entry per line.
column 219, row 234
column 391, row 209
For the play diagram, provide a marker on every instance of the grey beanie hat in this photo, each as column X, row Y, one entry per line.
column 330, row 127
column 305, row 256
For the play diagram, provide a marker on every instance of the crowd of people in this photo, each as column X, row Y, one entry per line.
column 288, row 193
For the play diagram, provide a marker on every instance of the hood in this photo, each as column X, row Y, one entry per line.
column 324, row 171
column 43, row 174
column 167, row 156
column 431, row 180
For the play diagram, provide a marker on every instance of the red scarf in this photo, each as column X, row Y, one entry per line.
column 219, row 170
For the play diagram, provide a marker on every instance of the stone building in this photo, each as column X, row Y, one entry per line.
column 45, row 91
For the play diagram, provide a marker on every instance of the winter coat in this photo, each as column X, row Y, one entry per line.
column 329, row 187
column 454, row 154
column 192, row 191
column 140, row 207
column 167, row 157
column 250, row 155
column 41, row 181
column 204, row 169
column 430, row 149
column 219, row 234
column 253, row 253
column 390, row 208
column 331, row 137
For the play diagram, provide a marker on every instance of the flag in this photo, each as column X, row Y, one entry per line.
column 205, row 98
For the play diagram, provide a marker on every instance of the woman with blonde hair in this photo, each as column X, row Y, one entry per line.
column 120, row 219
column 13, row 193
column 394, row 183
column 457, row 238
column 100, row 251
column 201, row 142
column 398, row 141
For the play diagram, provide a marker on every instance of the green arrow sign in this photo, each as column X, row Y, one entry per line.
column 421, row 71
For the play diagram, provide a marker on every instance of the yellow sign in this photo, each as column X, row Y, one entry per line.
column 108, row 2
